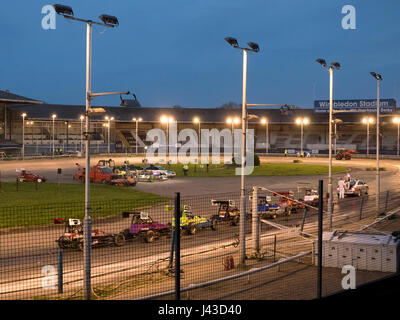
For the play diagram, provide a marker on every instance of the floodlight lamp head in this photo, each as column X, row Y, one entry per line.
column 376, row 75
column 232, row 41
column 63, row 10
column 254, row 46
column 336, row 65
column 109, row 20
column 322, row 62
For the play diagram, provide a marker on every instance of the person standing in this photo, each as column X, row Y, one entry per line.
column 341, row 188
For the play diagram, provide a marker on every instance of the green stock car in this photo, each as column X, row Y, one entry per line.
column 190, row 222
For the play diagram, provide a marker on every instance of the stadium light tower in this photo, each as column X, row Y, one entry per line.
column 396, row 120
column 53, row 116
column 167, row 120
column 109, row 119
column 265, row 122
column 82, row 117
column 137, row 120
column 111, row 22
column 331, row 67
column 378, row 79
column 196, row 120
column 336, row 122
column 368, row 121
column 302, row 122
column 253, row 47
column 23, row 115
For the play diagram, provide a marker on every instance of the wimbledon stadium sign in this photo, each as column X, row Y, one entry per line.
column 386, row 105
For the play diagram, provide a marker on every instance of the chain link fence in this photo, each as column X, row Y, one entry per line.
column 134, row 247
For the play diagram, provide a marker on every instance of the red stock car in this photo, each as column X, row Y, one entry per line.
column 27, row 176
column 73, row 236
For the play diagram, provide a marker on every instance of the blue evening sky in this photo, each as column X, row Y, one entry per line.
column 173, row 52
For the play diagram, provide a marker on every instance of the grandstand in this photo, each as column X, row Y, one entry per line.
column 284, row 133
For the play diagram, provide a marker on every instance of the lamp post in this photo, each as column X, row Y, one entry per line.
column 30, row 123
column 23, row 135
column 265, row 122
column 108, row 21
column 109, row 119
column 331, row 67
column 336, row 122
column 137, row 120
column 232, row 122
column 378, row 78
column 196, row 120
column 368, row 121
column 242, row 231
column 167, row 120
column 81, row 118
column 53, row 116
column 396, row 120
column 302, row 122
column 68, row 127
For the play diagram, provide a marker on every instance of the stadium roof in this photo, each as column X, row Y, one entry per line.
column 8, row 97
column 153, row 114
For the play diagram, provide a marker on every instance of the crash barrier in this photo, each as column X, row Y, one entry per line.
column 41, row 257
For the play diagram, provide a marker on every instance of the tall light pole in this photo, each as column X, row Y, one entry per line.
column 301, row 122
column 378, row 78
column 265, row 122
column 167, row 120
column 396, row 120
column 53, row 116
column 242, row 231
column 23, row 115
column 82, row 118
column 108, row 21
column 368, row 121
column 232, row 122
column 333, row 65
column 109, row 119
column 196, row 120
column 137, row 120
column 336, row 122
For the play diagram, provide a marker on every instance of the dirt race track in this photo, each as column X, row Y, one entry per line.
column 24, row 253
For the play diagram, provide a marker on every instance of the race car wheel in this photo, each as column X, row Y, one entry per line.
column 235, row 221
column 80, row 246
column 214, row 223
column 119, row 240
column 192, row 230
column 149, row 236
column 62, row 243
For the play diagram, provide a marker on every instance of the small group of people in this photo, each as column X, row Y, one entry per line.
column 344, row 184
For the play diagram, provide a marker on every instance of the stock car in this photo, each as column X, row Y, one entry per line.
column 227, row 211
column 168, row 173
column 190, row 222
column 355, row 188
column 142, row 225
column 27, row 176
column 73, row 236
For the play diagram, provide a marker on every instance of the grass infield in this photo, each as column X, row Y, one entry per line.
column 31, row 207
column 265, row 169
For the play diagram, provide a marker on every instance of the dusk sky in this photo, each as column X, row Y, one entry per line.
column 174, row 53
